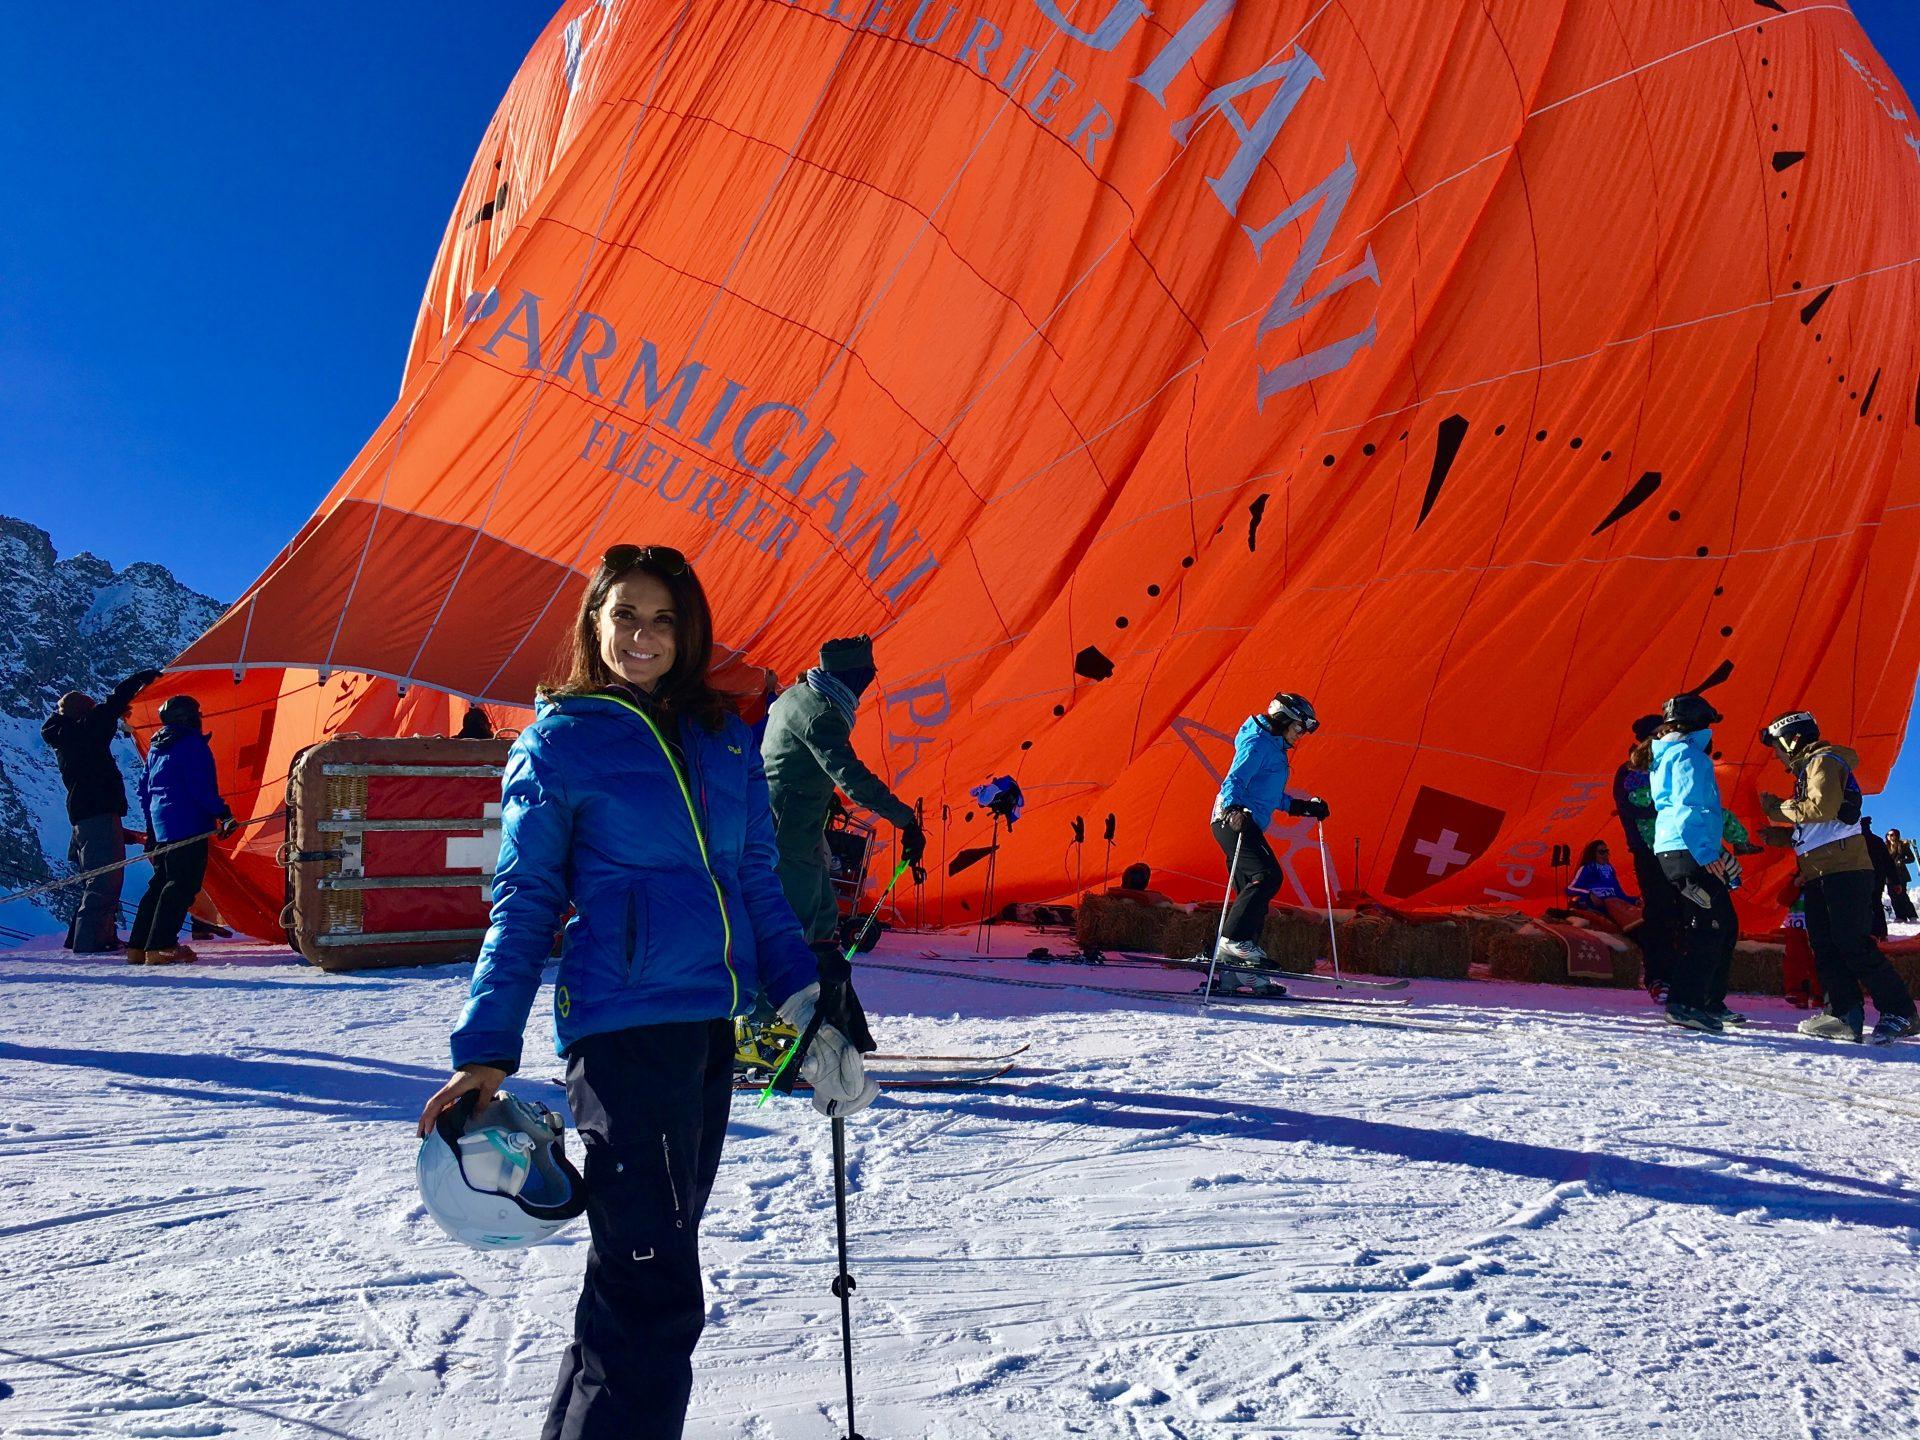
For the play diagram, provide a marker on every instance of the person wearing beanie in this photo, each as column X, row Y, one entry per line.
column 81, row 733
column 180, row 795
column 808, row 752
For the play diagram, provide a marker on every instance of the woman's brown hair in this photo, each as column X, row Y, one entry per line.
column 684, row 689
column 1640, row 757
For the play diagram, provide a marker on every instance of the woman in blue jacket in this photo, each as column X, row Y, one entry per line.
column 1255, row 787
column 637, row 798
column 1687, row 832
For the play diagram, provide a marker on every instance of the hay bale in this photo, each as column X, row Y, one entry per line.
column 1527, row 954
column 1376, row 944
column 1759, row 968
column 1484, row 926
column 1295, row 939
column 1107, row 922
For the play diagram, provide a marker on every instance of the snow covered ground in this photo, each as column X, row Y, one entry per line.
column 1500, row 1210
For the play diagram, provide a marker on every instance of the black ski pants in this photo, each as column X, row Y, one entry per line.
column 96, row 843
column 651, row 1104
column 1840, row 928
column 1711, row 932
column 177, row 877
column 1255, row 883
column 1902, row 903
column 1659, row 937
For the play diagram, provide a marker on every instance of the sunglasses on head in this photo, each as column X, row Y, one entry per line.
column 662, row 557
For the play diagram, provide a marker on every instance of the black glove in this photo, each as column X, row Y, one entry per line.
column 1312, row 807
column 140, row 679
column 1238, row 817
column 913, row 845
column 838, row 1006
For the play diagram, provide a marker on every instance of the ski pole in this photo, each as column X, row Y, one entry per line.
column 852, row 950
column 1240, row 838
column 1326, row 883
column 843, row 1282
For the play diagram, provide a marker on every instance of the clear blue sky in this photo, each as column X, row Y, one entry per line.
column 219, row 219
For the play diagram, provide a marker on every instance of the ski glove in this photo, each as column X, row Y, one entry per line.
column 838, row 1006
column 1238, row 817
column 913, row 845
column 831, row 1066
column 1312, row 807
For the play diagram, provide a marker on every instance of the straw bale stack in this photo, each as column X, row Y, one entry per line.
column 1375, row 944
column 1759, row 968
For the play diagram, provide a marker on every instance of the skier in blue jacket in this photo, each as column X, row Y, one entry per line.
column 1688, row 828
column 637, row 799
column 180, row 798
column 1255, row 787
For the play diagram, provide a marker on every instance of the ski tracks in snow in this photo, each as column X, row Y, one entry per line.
column 1166, row 1224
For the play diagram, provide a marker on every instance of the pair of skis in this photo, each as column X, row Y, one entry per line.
column 1265, row 982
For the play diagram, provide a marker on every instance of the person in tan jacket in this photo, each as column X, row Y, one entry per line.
column 1821, row 821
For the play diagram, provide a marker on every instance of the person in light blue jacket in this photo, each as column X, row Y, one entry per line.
column 1688, row 826
column 1255, row 787
column 637, row 800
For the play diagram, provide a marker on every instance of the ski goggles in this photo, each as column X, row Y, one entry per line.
column 663, row 558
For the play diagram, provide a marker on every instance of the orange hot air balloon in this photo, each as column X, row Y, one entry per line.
column 1487, row 372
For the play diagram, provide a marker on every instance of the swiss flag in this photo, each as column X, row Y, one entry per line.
column 1445, row 833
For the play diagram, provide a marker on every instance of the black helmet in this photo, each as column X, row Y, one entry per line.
column 1644, row 727
column 1791, row 730
column 1297, row 710
column 1690, row 712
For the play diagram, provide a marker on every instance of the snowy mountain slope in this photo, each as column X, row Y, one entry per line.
column 1501, row 1210
column 73, row 624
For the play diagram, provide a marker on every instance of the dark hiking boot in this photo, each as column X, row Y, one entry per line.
column 1892, row 1028
column 1691, row 1018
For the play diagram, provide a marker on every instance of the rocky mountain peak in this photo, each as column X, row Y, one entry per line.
column 72, row 624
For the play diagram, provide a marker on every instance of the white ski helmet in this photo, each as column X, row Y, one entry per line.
column 500, row 1179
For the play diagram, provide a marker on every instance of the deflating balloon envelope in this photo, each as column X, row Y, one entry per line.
column 1486, row 373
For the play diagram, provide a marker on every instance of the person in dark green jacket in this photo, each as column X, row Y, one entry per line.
column 808, row 754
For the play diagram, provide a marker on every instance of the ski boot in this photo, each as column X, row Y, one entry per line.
column 761, row 1047
column 1241, row 952
column 1690, row 1018
column 1657, row 991
column 1834, row 1027
column 1892, row 1028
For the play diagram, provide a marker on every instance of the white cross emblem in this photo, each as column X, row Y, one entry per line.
column 1443, row 854
column 477, row 852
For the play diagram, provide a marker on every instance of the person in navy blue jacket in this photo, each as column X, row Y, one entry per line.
column 1255, row 787
column 180, row 796
column 637, row 798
